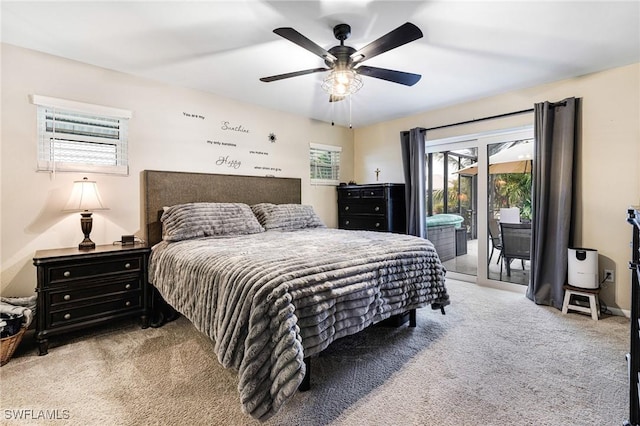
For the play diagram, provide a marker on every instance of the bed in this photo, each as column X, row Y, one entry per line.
column 275, row 286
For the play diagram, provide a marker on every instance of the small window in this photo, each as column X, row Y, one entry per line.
column 79, row 137
column 325, row 164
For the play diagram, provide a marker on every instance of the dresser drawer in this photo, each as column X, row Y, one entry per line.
column 61, row 316
column 375, row 207
column 363, row 223
column 375, row 192
column 69, row 272
column 80, row 293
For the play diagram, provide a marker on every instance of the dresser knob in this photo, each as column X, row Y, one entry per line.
column 67, row 316
column 67, row 274
column 346, row 222
column 127, row 265
column 372, row 193
column 67, row 297
column 377, row 208
column 377, row 224
column 346, row 207
column 127, row 303
column 127, row 287
column 348, row 194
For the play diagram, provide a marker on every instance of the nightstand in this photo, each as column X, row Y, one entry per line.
column 82, row 288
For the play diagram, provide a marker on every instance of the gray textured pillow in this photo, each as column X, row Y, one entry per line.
column 286, row 217
column 195, row 220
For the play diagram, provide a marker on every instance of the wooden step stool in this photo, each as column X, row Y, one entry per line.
column 591, row 294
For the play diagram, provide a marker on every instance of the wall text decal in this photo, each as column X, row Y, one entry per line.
column 225, row 160
column 186, row 114
column 221, row 143
column 226, row 125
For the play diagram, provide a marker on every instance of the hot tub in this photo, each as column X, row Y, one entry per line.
column 441, row 231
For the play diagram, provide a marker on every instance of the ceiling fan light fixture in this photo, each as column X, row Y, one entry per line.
column 342, row 82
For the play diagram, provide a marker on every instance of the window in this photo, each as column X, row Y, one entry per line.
column 79, row 137
column 325, row 164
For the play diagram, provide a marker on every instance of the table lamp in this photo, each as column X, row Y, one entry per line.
column 85, row 198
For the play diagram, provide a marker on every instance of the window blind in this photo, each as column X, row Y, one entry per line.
column 93, row 140
column 324, row 164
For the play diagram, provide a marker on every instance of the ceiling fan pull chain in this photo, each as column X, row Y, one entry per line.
column 333, row 108
column 350, row 122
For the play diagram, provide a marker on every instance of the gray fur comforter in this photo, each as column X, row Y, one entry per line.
column 269, row 300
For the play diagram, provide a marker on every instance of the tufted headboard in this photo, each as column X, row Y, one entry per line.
column 164, row 188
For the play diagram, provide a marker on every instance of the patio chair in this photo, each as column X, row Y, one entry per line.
column 496, row 242
column 516, row 243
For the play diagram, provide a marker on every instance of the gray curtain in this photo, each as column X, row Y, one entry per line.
column 413, row 158
column 552, row 199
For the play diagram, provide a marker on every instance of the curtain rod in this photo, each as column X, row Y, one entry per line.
column 524, row 111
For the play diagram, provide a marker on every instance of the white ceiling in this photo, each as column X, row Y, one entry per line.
column 469, row 50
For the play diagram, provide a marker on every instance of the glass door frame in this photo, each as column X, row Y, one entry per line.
column 481, row 141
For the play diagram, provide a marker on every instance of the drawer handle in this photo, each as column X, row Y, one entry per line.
column 127, row 287
column 67, row 297
column 346, row 207
column 67, row 316
column 127, row 265
column 127, row 303
column 67, row 274
column 377, row 208
column 377, row 224
column 346, row 222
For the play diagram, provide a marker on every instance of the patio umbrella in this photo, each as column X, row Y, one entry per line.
column 515, row 159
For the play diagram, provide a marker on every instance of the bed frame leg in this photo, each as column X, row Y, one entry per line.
column 306, row 382
column 412, row 318
column 440, row 306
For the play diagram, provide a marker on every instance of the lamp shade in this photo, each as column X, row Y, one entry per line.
column 84, row 197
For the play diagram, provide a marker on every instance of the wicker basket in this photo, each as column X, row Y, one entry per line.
column 9, row 344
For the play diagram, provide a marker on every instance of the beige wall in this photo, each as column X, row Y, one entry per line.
column 608, row 158
column 160, row 138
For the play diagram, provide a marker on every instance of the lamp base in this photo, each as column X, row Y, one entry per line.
column 87, row 244
column 86, row 222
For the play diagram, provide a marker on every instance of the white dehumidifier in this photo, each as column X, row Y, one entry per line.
column 583, row 268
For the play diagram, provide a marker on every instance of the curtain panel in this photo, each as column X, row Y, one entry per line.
column 413, row 161
column 552, row 198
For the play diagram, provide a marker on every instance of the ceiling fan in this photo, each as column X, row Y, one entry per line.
column 345, row 62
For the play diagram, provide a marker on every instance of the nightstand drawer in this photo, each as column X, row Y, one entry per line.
column 371, row 207
column 99, row 309
column 83, row 270
column 79, row 293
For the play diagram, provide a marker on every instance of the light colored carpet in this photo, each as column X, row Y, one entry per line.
column 495, row 358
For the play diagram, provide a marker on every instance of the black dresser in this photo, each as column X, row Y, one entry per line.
column 633, row 217
column 372, row 207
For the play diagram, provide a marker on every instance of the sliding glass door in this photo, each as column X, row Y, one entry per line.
column 474, row 183
column 451, row 208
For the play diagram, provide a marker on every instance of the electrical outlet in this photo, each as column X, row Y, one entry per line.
column 608, row 275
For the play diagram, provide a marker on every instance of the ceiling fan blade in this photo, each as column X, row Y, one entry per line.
column 292, row 74
column 297, row 38
column 406, row 78
column 404, row 34
column 336, row 98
